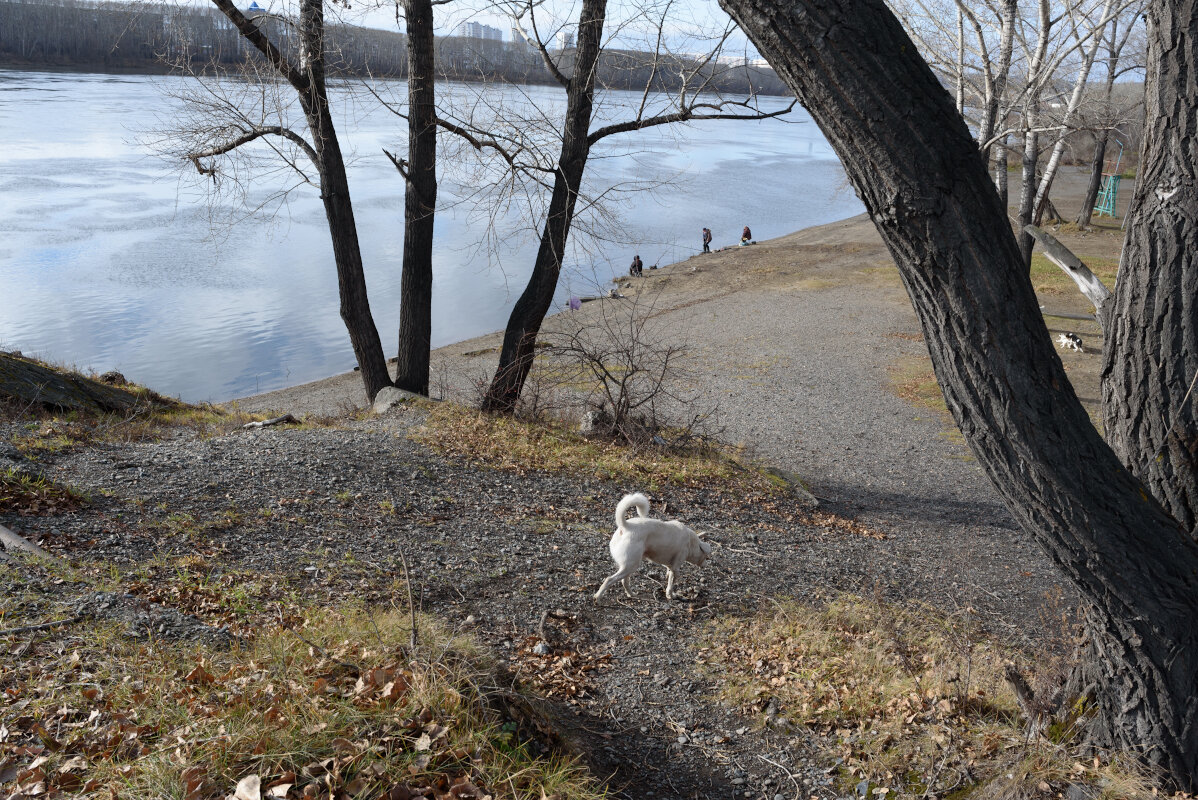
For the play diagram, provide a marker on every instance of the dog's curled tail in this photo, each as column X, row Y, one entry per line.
column 639, row 500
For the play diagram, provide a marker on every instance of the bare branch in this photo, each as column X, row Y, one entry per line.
column 246, row 138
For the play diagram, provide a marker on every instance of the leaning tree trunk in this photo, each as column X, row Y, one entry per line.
column 915, row 166
column 1083, row 216
column 339, row 210
column 519, row 338
column 1152, row 367
column 420, row 202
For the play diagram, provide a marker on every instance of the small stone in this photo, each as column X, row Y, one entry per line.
column 470, row 620
column 542, row 649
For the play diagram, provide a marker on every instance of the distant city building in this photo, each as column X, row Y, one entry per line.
column 475, row 30
column 565, row 40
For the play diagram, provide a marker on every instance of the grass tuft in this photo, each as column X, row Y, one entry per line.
column 23, row 493
column 906, row 701
column 340, row 705
column 507, row 443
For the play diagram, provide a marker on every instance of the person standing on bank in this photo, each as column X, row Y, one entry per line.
column 746, row 235
column 707, row 240
column 637, row 267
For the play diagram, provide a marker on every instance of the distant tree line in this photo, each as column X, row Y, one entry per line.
column 151, row 37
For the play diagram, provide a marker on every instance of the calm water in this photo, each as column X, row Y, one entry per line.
column 111, row 259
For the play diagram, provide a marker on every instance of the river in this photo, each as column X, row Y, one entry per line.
column 112, row 257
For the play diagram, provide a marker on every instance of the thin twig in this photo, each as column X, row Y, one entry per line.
column 411, row 606
column 45, row 626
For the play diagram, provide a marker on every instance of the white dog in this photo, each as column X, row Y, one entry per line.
column 667, row 543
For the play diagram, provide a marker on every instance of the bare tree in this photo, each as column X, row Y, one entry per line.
column 630, row 360
column 1005, row 95
column 231, row 128
column 673, row 89
column 1118, row 520
column 419, row 171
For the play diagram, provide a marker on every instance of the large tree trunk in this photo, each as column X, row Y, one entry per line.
column 918, row 171
column 1149, row 369
column 1087, row 211
column 519, row 338
column 420, row 203
column 339, row 210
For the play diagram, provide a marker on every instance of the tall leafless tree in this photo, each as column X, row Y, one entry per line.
column 304, row 72
column 1117, row 519
column 419, row 171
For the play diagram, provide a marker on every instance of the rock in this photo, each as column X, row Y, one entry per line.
column 1079, row 791
column 113, row 378
column 542, row 649
column 32, row 383
column 391, row 396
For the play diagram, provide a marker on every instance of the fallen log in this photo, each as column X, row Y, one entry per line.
column 266, row 423
column 14, row 541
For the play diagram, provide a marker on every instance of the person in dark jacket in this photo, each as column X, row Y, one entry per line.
column 637, row 267
column 746, row 235
column 707, row 240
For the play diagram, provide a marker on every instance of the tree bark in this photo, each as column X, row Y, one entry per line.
column 915, row 166
column 1148, row 369
column 519, row 338
column 420, row 203
column 1087, row 211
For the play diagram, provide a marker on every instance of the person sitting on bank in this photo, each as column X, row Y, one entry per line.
column 746, row 236
column 637, row 267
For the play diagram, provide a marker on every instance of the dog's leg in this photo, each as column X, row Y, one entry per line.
column 627, row 584
column 623, row 572
column 670, row 582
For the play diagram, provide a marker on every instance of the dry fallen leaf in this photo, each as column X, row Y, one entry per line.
column 249, row 788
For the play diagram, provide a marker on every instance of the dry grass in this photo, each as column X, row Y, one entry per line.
column 910, row 701
column 913, row 380
column 506, row 443
column 337, row 705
